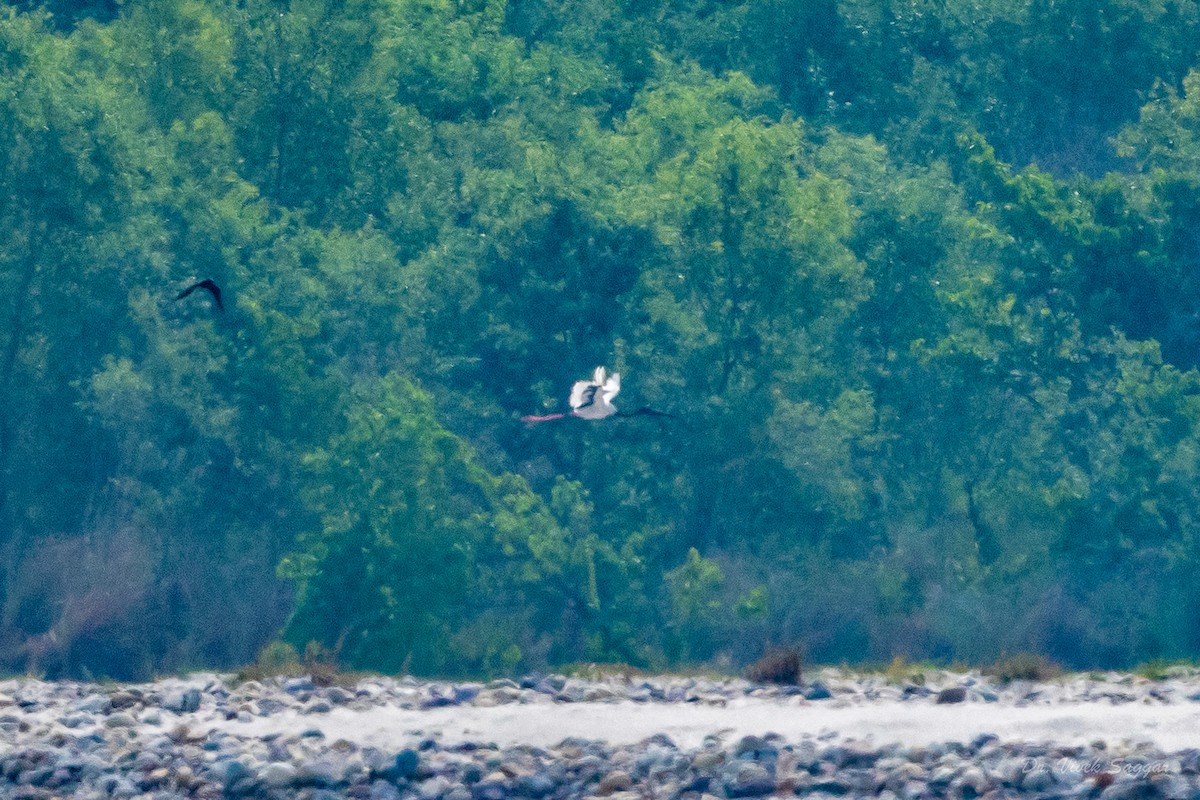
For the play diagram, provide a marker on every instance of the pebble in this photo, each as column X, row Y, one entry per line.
column 953, row 694
column 182, row 702
column 279, row 774
column 817, row 691
column 615, row 781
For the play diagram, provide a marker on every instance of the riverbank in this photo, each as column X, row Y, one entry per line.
column 954, row 734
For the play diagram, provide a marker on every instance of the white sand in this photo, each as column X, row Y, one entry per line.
column 1170, row 727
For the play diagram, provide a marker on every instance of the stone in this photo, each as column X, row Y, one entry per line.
column 182, row 702
column 1130, row 789
column 852, row 754
column 600, row 694
column 238, row 777
column 953, row 694
column 706, row 762
column 1038, row 779
column 498, row 696
column 383, row 790
column 279, row 774
column 971, row 780
column 406, row 763
column 437, row 701
column 125, row 699
column 941, row 777
column 32, row 793
column 94, row 704
column 615, row 781
column 433, row 788
column 536, row 786
column 749, row 780
column 983, row 739
column 1172, row 786
column 323, row 772
column 817, row 691
column 268, row 706
column 185, row 777
column 298, row 685
column 338, row 696
column 490, row 788
column 155, row 777
column 748, row 746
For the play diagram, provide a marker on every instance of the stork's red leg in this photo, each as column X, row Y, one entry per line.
column 543, row 418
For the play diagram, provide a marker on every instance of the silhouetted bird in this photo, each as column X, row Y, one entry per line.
column 207, row 284
column 593, row 400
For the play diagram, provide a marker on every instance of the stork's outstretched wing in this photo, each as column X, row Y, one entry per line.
column 647, row 411
column 583, row 394
column 210, row 286
column 612, row 387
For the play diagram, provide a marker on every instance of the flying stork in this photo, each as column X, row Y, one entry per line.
column 208, row 285
column 593, row 400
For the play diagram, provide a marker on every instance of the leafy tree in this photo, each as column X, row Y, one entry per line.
column 390, row 572
column 176, row 56
column 430, row 541
column 692, row 588
column 73, row 178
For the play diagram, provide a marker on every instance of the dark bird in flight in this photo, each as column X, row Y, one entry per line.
column 210, row 286
column 593, row 400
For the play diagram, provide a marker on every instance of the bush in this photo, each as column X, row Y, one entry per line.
column 781, row 666
column 277, row 658
column 1161, row 669
column 1024, row 667
column 900, row 671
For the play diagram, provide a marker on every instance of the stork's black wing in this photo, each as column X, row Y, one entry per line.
column 208, row 285
column 647, row 411
column 589, row 396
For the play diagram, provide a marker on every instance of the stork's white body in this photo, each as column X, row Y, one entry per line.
column 593, row 399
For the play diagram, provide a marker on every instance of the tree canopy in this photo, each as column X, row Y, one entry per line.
column 919, row 282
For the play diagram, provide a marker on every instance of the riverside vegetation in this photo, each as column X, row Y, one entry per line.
column 919, row 280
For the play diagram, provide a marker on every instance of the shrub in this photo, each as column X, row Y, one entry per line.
column 1161, row 669
column 900, row 671
column 1024, row 667
column 781, row 666
column 277, row 658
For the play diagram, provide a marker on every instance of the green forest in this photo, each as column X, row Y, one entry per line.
column 919, row 281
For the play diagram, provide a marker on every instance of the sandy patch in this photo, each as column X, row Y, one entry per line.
column 1169, row 727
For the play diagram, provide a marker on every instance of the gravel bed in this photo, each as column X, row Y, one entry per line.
column 836, row 736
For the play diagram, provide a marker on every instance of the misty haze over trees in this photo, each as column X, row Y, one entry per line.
column 921, row 281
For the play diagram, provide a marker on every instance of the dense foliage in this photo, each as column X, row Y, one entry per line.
column 920, row 280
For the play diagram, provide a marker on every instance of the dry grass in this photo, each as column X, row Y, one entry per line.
column 1161, row 669
column 602, row 671
column 1024, row 667
column 280, row 659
